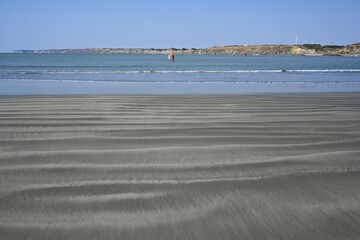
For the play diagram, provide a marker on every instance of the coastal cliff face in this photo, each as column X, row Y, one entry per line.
column 261, row 49
column 117, row 51
column 353, row 49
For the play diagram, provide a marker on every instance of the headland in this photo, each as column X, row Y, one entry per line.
column 305, row 49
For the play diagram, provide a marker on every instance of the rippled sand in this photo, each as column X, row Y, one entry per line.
column 180, row 167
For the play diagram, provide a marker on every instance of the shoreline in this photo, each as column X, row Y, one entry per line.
column 19, row 87
column 170, row 95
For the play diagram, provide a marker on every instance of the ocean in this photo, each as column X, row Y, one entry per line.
column 33, row 74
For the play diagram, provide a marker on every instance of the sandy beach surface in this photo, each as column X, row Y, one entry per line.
column 272, row 166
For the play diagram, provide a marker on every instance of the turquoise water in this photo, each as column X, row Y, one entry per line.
column 151, row 74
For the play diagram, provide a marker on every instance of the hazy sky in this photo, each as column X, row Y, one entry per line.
column 43, row 24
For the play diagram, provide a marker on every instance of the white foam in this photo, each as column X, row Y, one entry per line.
column 183, row 71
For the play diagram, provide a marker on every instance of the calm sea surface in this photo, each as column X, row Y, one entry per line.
column 152, row 74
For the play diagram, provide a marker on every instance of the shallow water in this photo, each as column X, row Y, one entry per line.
column 126, row 73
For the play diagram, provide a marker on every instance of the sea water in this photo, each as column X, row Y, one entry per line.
column 27, row 74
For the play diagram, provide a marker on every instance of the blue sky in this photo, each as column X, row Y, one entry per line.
column 43, row 24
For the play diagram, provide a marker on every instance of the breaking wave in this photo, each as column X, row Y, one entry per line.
column 76, row 71
column 189, row 81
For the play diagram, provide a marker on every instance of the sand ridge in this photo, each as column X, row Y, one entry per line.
column 277, row 166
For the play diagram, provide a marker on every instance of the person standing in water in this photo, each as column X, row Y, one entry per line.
column 171, row 56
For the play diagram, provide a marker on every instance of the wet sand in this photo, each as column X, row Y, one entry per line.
column 180, row 167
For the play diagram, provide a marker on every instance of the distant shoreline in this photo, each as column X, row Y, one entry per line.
column 305, row 49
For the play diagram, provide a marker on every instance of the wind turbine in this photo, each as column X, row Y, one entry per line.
column 296, row 39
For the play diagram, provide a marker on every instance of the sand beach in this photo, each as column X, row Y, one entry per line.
column 262, row 166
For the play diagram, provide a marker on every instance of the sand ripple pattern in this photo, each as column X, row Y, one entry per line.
column 180, row 167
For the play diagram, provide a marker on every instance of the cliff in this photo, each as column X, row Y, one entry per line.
column 117, row 51
column 353, row 49
column 305, row 49
column 261, row 49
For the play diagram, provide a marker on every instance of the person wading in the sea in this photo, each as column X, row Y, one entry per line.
column 171, row 56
